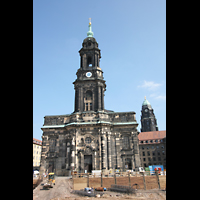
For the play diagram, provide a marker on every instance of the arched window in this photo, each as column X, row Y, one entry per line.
column 89, row 61
column 88, row 100
column 89, row 95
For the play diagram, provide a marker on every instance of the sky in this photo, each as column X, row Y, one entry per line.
column 132, row 38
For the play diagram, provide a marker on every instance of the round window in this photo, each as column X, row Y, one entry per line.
column 88, row 140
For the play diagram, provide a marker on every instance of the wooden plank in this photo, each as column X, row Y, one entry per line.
column 151, row 182
column 137, row 180
column 79, row 186
column 80, row 180
column 95, row 182
column 162, row 181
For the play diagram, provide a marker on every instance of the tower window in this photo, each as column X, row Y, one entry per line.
column 89, row 61
column 88, row 100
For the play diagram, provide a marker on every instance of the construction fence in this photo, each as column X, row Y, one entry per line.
column 136, row 180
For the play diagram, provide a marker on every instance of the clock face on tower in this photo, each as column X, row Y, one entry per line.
column 88, row 74
column 145, row 110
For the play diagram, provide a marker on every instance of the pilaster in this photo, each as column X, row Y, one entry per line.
column 104, row 151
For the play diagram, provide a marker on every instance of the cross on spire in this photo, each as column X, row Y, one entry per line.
column 90, row 33
column 90, row 21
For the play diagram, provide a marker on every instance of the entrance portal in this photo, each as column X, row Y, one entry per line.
column 88, row 163
column 128, row 164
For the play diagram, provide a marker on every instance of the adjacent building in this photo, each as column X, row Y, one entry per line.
column 152, row 147
column 92, row 137
column 37, row 147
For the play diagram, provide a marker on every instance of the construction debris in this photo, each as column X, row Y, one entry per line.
column 122, row 188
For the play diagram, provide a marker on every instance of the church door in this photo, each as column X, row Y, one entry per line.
column 88, row 163
column 128, row 164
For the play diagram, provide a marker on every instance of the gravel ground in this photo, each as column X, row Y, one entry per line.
column 63, row 188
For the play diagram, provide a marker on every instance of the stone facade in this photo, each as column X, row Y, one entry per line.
column 91, row 138
column 148, row 119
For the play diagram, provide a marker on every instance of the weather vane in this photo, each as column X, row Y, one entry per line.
column 90, row 21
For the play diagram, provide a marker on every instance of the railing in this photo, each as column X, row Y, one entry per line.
column 117, row 174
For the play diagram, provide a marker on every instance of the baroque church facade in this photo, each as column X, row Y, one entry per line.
column 92, row 137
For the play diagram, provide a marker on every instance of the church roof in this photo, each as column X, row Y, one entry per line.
column 152, row 135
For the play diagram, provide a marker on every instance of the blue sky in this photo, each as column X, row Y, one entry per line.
column 132, row 38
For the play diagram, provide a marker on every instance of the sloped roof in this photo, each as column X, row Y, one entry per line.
column 36, row 141
column 152, row 135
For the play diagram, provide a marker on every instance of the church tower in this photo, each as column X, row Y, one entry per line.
column 90, row 84
column 148, row 119
column 92, row 137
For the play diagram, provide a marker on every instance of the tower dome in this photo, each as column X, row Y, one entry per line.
column 146, row 103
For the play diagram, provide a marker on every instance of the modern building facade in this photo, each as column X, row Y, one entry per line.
column 152, row 147
column 92, row 137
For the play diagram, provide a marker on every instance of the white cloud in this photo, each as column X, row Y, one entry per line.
column 158, row 97
column 161, row 97
column 150, row 85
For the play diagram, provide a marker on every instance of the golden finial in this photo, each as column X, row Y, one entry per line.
column 90, row 21
column 145, row 97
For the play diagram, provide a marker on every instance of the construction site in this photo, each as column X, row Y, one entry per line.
column 124, row 185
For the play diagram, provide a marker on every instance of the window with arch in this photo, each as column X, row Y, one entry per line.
column 88, row 100
column 89, row 61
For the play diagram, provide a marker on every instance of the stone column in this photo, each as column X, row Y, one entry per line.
column 109, row 153
column 93, row 101
column 98, row 60
column 95, row 160
column 118, row 152
column 104, row 150
column 75, row 101
column 100, row 151
column 73, row 153
column 82, row 162
column 133, row 163
column 99, row 98
column 80, row 99
column 102, row 98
